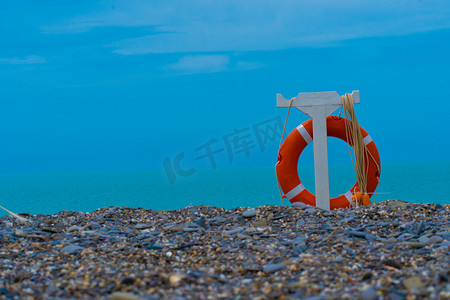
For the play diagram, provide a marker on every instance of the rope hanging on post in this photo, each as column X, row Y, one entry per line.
column 361, row 153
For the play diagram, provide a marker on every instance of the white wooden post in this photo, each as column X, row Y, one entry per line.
column 319, row 106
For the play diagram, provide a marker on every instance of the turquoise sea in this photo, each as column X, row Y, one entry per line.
column 228, row 188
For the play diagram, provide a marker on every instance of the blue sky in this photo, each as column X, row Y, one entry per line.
column 123, row 85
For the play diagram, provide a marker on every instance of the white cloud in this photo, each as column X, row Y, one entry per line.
column 254, row 25
column 32, row 59
column 200, row 64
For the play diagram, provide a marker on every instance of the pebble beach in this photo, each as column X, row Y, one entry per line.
column 388, row 250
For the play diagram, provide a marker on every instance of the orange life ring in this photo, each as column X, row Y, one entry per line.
column 293, row 146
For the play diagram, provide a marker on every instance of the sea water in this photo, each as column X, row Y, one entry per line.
column 227, row 188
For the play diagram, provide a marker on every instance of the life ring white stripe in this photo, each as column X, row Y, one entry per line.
column 305, row 134
column 367, row 139
column 348, row 195
column 295, row 191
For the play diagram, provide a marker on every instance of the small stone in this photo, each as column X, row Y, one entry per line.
column 261, row 223
column 347, row 296
column 21, row 233
column 397, row 295
column 190, row 229
column 414, row 282
column 177, row 228
column 438, row 206
column 338, row 259
column 369, row 294
column 249, row 213
column 300, row 249
column 371, row 237
column 202, row 222
column 50, row 230
column 310, row 210
column 267, row 289
column 71, row 249
column 299, row 240
column 445, row 245
column 142, row 226
column 176, row 278
column 424, row 239
column 357, row 233
column 405, row 236
column 397, row 203
column 128, row 281
column 250, row 229
column 434, row 239
column 440, row 278
column 346, row 220
column 392, row 263
column 232, row 231
column 154, row 247
column 193, row 210
column 315, row 297
column 73, row 228
column 367, row 276
column 270, row 268
column 300, row 222
column 445, row 235
column 278, row 217
column 299, row 204
column 414, row 245
column 260, row 248
column 124, row 296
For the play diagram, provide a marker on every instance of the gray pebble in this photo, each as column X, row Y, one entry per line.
column 21, row 233
column 70, row 249
column 445, row 235
column 316, row 298
column 299, row 204
column 424, row 239
column 414, row 245
column 300, row 249
column 142, row 226
column 270, row 268
column 260, row 248
column 300, row 222
column 369, row 294
column 234, row 230
column 202, row 222
column 357, row 233
column 434, row 239
column 444, row 245
column 298, row 240
column 371, row 237
column 73, row 228
column 310, row 210
column 249, row 213
column 396, row 296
